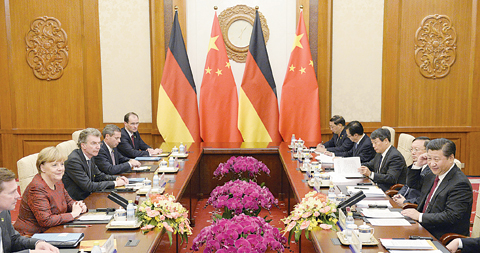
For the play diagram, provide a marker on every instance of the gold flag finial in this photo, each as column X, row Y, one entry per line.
column 176, row 7
column 301, row 7
column 215, row 7
column 256, row 7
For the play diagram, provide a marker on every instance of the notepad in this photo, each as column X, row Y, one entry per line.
column 406, row 244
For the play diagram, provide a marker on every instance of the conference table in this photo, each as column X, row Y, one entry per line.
column 194, row 181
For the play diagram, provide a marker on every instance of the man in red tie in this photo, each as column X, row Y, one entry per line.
column 447, row 197
column 131, row 144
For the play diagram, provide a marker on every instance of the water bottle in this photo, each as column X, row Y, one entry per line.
column 349, row 220
column 181, row 148
column 96, row 248
column 292, row 142
column 331, row 193
column 171, row 161
column 130, row 211
column 155, row 183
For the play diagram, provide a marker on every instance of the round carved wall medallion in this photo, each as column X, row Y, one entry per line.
column 236, row 24
column 47, row 48
column 435, row 46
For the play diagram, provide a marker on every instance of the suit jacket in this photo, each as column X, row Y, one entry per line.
column 470, row 245
column 42, row 207
column 392, row 171
column 126, row 147
column 413, row 195
column 339, row 143
column 12, row 241
column 104, row 161
column 364, row 150
column 450, row 207
column 81, row 180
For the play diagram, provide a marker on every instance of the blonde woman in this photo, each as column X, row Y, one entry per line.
column 45, row 202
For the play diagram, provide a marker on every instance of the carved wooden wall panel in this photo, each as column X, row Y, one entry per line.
column 435, row 46
column 47, row 48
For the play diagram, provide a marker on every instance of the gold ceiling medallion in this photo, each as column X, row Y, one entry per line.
column 435, row 46
column 236, row 24
column 47, row 48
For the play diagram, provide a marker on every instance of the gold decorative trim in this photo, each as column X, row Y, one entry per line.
column 239, row 12
column 435, row 46
column 47, row 48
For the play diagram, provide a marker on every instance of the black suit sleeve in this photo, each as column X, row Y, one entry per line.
column 470, row 244
column 449, row 209
column 330, row 143
column 371, row 163
column 395, row 166
column 347, row 144
column 104, row 163
column 12, row 240
column 125, row 147
column 141, row 144
column 74, row 169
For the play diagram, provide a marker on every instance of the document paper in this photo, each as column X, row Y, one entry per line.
column 347, row 167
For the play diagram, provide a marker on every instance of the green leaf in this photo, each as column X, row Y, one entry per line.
column 170, row 237
column 297, row 235
column 307, row 233
column 290, row 236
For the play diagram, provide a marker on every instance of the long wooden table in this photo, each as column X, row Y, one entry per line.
column 195, row 181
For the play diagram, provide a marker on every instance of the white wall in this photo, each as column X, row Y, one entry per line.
column 125, row 55
column 357, row 59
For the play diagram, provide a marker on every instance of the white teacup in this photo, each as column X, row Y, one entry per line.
column 365, row 233
column 120, row 215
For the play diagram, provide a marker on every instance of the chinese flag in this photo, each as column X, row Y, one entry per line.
column 299, row 105
column 258, row 111
column 218, row 94
column 177, row 114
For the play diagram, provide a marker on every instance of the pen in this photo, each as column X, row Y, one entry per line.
column 77, row 226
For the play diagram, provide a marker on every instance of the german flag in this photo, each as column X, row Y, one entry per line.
column 177, row 114
column 258, row 110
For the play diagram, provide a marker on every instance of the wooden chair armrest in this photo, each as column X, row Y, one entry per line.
column 391, row 193
column 396, row 187
column 446, row 238
column 409, row 205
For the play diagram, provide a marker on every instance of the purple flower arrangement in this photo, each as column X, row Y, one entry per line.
column 239, row 196
column 242, row 233
column 241, row 166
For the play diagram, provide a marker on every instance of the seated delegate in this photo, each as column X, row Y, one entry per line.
column 45, row 202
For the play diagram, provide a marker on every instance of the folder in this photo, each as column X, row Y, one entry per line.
column 61, row 240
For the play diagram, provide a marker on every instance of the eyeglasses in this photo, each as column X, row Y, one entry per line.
column 415, row 150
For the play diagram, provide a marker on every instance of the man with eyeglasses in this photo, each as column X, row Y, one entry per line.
column 131, row 144
column 407, row 194
column 82, row 177
column 339, row 142
column 446, row 201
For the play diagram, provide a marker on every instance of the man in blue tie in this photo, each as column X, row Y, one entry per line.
column 447, row 197
column 407, row 194
column 339, row 141
column 362, row 145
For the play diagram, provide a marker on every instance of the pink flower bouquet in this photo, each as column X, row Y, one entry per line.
column 242, row 233
column 239, row 196
column 313, row 212
column 163, row 212
column 244, row 167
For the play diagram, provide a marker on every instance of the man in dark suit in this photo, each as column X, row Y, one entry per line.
column 339, row 142
column 131, row 144
column 467, row 245
column 447, row 197
column 11, row 240
column 407, row 194
column 109, row 160
column 388, row 167
column 82, row 177
column 362, row 145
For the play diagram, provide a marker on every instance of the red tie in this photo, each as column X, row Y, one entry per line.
column 431, row 193
column 113, row 158
column 133, row 143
